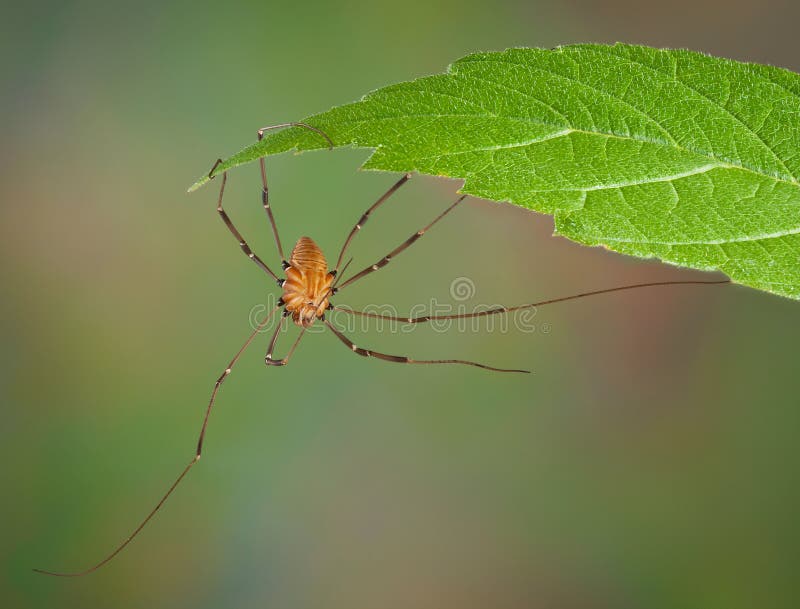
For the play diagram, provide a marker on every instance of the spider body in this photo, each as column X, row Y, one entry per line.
column 308, row 283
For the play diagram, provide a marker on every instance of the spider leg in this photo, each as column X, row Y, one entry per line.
column 268, row 359
column 185, row 471
column 365, row 216
column 499, row 310
column 265, row 188
column 226, row 219
column 403, row 246
column 402, row 359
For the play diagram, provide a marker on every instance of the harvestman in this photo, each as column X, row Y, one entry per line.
column 307, row 288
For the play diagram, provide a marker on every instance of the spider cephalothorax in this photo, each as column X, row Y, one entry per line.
column 308, row 284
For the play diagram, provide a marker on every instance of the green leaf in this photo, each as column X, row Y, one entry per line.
column 653, row 153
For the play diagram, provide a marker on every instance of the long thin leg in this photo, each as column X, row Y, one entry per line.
column 402, row 359
column 407, row 243
column 265, row 188
column 226, row 219
column 363, row 220
column 185, row 471
column 498, row 310
column 268, row 359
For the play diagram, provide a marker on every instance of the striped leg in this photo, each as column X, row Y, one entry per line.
column 226, row 219
column 268, row 359
column 363, row 220
column 402, row 359
column 403, row 246
column 265, row 188
column 499, row 310
column 186, row 469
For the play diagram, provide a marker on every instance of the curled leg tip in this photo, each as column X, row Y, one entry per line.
column 213, row 167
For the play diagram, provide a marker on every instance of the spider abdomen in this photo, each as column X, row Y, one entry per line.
column 308, row 282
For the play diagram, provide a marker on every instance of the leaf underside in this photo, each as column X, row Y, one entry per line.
column 654, row 153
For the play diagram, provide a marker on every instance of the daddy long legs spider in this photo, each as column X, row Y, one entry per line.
column 307, row 287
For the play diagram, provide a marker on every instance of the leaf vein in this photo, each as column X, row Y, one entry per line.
column 730, row 113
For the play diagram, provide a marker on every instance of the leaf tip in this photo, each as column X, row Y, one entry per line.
column 199, row 184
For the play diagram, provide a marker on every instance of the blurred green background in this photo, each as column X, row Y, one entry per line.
column 650, row 461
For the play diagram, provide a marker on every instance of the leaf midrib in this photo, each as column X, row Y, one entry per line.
column 786, row 178
column 747, row 128
column 566, row 130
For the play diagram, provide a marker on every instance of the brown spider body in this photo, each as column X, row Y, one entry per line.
column 307, row 287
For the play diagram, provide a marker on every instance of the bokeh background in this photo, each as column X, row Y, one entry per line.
column 650, row 461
